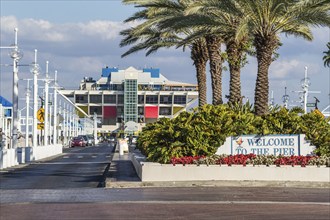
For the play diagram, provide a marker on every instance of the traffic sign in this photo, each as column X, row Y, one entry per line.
column 316, row 111
column 310, row 104
column 41, row 115
column 40, row 126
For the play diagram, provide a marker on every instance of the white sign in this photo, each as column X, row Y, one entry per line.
column 286, row 145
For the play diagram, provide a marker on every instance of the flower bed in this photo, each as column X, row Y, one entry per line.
column 207, row 169
column 241, row 159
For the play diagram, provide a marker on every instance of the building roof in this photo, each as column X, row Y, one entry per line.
column 145, row 76
column 5, row 103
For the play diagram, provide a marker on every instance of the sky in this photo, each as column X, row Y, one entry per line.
column 79, row 38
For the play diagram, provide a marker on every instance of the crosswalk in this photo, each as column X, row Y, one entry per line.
column 85, row 156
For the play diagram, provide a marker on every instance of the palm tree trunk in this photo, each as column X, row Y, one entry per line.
column 213, row 45
column 265, row 46
column 201, row 81
column 199, row 56
column 235, row 56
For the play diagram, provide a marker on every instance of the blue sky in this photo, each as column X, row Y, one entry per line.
column 79, row 38
column 67, row 11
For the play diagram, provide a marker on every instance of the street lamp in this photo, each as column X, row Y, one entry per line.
column 16, row 55
column 35, row 70
column 46, row 128
column 55, row 111
column 27, row 117
column 285, row 98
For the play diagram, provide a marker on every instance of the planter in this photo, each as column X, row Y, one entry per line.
column 191, row 172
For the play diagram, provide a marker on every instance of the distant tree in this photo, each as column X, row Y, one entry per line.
column 326, row 57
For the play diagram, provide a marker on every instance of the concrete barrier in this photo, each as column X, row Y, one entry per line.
column 149, row 172
column 8, row 158
column 41, row 152
column 122, row 146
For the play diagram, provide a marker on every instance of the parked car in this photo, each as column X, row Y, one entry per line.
column 90, row 139
column 78, row 142
column 112, row 139
column 85, row 138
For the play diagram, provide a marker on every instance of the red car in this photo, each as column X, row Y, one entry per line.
column 78, row 142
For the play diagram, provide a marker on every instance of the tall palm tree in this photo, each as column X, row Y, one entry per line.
column 148, row 36
column 221, row 25
column 213, row 43
column 326, row 57
column 265, row 20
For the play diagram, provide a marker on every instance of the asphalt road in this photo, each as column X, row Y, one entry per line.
column 166, row 203
column 68, row 187
column 75, row 168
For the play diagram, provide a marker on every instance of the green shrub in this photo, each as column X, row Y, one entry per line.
column 202, row 131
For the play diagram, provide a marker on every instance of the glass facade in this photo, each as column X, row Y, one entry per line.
column 180, row 99
column 81, row 98
column 165, row 111
column 95, row 99
column 96, row 109
column 131, row 100
column 165, row 99
column 110, row 99
column 152, row 99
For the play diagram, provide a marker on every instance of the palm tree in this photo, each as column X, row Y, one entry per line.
column 326, row 57
column 265, row 20
column 213, row 43
column 148, row 36
column 222, row 27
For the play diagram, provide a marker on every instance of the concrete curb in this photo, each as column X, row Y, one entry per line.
column 138, row 162
column 292, row 184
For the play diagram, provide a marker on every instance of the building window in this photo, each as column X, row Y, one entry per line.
column 141, row 99
column 109, row 99
column 152, row 99
column 120, row 99
column 118, row 87
column 109, row 121
column 131, row 99
column 81, row 98
column 165, row 111
column 165, row 99
column 180, row 99
column 96, row 109
column 141, row 111
column 95, row 98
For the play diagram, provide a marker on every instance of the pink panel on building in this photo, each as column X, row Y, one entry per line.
column 151, row 111
column 109, row 112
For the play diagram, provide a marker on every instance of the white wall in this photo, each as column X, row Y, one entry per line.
column 8, row 158
column 148, row 171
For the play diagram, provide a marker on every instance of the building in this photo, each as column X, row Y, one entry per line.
column 6, row 118
column 130, row 98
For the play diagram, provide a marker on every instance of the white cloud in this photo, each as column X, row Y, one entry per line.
column 284, row 68
column 82, row 49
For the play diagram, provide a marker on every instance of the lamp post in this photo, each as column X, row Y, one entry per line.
column 35, row 71
column 305, row 83
column 55, row 111
column 16, row 55
column 285, row 99
column 27, row 114
column 46, row 124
